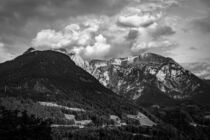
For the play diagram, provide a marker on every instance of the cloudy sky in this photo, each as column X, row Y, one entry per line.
column 103, row 29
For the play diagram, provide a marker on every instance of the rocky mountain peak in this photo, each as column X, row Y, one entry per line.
column 51, row 79
column 133, row 76
column 136, row 77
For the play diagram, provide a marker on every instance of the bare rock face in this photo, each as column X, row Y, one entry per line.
column 132, row 76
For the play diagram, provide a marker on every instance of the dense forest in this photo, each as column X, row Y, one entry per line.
column 25, row 119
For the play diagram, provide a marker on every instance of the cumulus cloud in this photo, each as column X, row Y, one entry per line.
column 148, row 30
column 71, row 35
column 98, row 28
column 152, row 37
column 24, row 18
column 138, row 20
column 82, row 39
column 134, row 29
column 51, row 38
column 119, row 39
column 98, row 50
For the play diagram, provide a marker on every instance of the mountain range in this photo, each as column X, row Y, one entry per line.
column 51, row 76
column 146, row 79
column 56, row 94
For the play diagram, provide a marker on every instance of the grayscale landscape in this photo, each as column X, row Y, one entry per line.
column 104, row 70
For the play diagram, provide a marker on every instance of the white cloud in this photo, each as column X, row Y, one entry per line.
column 137, row 27
column 72, row 34
column 83, row 39
column 98, row 50
column 52, row 39
column 1, row 45
column 168, row 3
column 138, row 20
column 144, row 46
column 4, row 55
column 200, row 69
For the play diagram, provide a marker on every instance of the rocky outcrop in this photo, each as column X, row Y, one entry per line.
column 131, row 76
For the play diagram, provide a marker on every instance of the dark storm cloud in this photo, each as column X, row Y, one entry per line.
column 202, row 24
column 133, row 34
column 163, row 31
column 14, row 9
column 193, row 48
column 207, row 2
column 14, row 14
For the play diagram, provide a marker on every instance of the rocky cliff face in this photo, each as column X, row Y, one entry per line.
column 131, row 76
